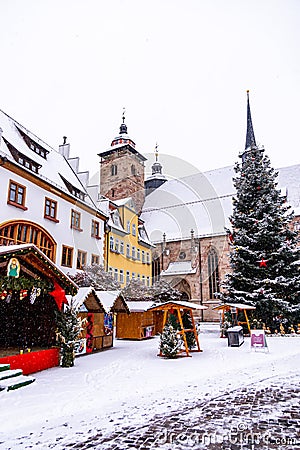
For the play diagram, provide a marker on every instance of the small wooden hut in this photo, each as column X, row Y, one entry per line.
column 96, row 309
column 179, row 308
column 235, row 309
column 140, row 323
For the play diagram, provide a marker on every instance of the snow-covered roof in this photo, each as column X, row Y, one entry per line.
column 108, row 299
column 77, row 301
column 234, row 305
column 52, row 169
column 203, row 202
column 179, row 268
column 136, row 306
column 183, row 304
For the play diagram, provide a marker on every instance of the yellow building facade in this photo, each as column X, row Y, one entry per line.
column 128, row 249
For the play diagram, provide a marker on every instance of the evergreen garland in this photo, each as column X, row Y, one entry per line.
column 8, row 283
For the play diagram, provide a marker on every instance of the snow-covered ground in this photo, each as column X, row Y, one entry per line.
column 129, row 384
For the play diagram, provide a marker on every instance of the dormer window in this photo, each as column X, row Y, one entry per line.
column 34, row 146
column 73, row 190
column 22, row 159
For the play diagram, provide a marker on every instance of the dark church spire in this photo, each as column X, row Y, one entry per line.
column 123, row 127
column 250, row 138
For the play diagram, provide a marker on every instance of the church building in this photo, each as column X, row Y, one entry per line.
column 187, row 219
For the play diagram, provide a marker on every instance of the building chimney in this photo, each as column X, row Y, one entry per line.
column 64, row 148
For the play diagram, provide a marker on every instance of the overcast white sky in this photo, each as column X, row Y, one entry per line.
column 181, row 69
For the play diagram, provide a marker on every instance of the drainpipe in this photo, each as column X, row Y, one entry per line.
column 107, row 230
column 200, row 279
column 163, row 251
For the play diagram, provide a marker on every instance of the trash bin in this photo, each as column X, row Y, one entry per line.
column 235, row 336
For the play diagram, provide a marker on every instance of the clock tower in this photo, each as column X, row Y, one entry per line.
column 122, row 170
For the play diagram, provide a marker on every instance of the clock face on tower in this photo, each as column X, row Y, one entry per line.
column 182, row 255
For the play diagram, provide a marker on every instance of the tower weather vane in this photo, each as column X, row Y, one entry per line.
column 123, row 115
column 156, row 152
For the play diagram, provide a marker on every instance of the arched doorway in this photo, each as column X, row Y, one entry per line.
column 25, row 232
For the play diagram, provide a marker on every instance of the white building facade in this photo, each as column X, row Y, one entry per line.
column 44, row 200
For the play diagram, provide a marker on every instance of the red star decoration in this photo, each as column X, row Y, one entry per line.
column 59, row 295
column 263, row 263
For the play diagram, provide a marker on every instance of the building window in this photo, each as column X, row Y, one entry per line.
column 127, row 277
column 156, row 269
column 143, row 257
column 117, row 246
column 95, row 229
column 128, row 226
column 139, row 277
column 148, row 281
column 81, row 259
column 116, row 275
column 113, row 193
column 114, row 169
column 50, row 211
column 138, row 256
column 23, row 232
column 16, row 195
column 75, row 220
column 121, row 276
column 213, row 273
column 133, row 276
column 143, row 279
column 128, row 251
column 122, row 248
column 111, row 243
column 133, row 170
column 110, row 271
column 133, row 229
column 133, row 252
column 95, row 260
column 67, row 256
column 148, row 258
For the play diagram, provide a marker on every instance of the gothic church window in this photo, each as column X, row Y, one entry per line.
column 213, row 273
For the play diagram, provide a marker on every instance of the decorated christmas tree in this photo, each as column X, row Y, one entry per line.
column 68, row 330
column 188, row 325
column 264, row 251
column 170, row 343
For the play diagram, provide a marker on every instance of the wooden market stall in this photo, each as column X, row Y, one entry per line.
column 179, row 308
column 32, row 289
column 114, row 304
column 96, row 309
column 140, row 323
column 234, row 308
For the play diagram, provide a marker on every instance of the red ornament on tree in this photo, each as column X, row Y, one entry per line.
column 263, row 262
column 59, row 295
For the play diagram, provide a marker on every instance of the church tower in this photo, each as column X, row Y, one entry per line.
column 157, row 178
column 122, row 170
column 250, row 144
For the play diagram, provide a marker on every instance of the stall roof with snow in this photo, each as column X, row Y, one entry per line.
column 113, row 301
